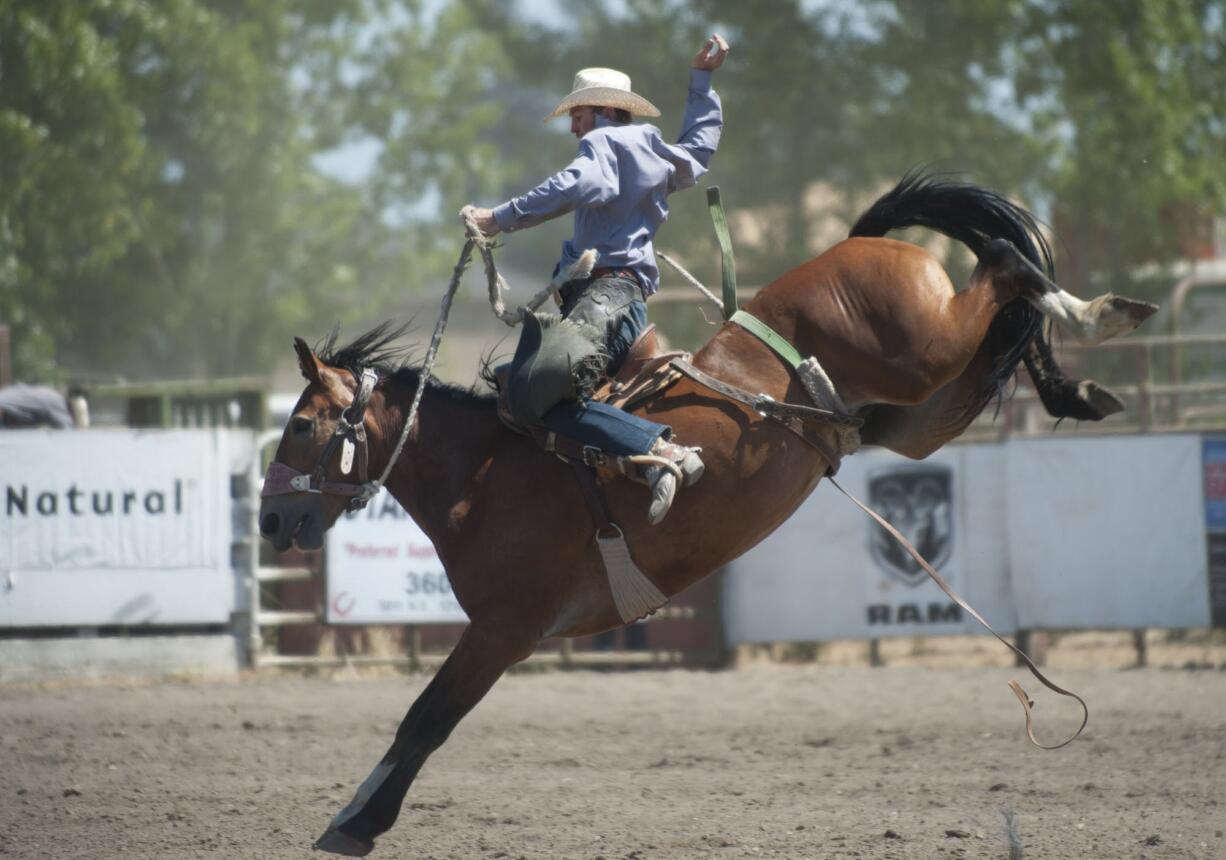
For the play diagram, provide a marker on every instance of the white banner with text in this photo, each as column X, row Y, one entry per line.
column 116, row 527
column 382, row 569
column 1088, row 532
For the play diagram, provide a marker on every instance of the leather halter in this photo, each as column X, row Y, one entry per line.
column 350, row 437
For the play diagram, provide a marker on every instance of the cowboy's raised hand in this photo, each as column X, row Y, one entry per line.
column 711, row 55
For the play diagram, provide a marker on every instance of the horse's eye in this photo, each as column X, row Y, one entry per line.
column 302, row 426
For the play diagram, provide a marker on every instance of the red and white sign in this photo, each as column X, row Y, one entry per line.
column 382, row 569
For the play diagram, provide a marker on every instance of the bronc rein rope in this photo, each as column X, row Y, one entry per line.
column 497, row 287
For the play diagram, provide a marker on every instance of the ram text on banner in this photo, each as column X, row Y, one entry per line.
column 830, row 572
column 382, row 569
column 1050, row 533
column 115, row 527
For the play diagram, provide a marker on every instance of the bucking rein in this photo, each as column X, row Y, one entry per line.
column 816, row 383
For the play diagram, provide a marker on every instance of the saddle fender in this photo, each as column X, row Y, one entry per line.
column 556, row 360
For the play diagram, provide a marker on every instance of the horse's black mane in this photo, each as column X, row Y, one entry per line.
column 376, row 348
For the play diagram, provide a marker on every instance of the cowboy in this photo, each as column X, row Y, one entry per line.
column 617, row 187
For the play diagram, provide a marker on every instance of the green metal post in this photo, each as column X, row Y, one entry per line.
column 727, row 263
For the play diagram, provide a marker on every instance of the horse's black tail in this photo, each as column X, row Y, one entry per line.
column 974, row 216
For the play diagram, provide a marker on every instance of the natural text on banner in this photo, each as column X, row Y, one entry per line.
column 115, row 527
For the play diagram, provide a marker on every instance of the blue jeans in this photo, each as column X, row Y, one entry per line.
column 618, row 304
column 605, row 427
column 623, row 333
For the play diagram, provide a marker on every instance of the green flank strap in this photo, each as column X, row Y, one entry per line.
column 768, row 335
column 727, row 263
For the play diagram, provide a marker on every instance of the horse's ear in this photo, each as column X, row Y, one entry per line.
column 307, row 362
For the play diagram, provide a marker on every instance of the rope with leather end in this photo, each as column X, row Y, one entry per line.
column 1026, row 701
column 371, row 488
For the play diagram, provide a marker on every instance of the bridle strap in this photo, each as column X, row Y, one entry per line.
column 350, row 437
column 360, row 494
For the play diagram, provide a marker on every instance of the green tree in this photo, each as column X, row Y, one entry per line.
column 419, row 87
column 1138, row 122
column 161, row 203
column 158, row 203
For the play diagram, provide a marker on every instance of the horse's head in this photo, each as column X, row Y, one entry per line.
column 321, row 464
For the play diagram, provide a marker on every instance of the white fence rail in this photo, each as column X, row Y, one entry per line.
column 1096, row 531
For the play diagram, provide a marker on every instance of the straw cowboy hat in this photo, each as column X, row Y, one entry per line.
column 604, row 88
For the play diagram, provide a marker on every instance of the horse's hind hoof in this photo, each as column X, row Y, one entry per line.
column 1083, row 400
column 1110, row 315
column 1100, row 401
column 1138, row 312
column 335, row 842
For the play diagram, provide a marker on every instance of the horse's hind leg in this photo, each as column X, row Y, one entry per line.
column 478, row 660
column 959, row 360
column 1062, row 397
column 919, row 430
column 1090, row 322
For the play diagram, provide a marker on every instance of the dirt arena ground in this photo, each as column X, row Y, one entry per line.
column 813, row 761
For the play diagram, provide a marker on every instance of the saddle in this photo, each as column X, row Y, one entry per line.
column 649, row 370
column 645, row 371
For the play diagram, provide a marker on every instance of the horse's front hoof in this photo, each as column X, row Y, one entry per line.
column 335, row 842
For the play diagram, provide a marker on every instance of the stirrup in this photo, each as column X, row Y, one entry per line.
column 663, row 483
column 689, row 465
column 666, row 467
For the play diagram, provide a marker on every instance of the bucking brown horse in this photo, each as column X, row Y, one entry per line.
column 910, row 355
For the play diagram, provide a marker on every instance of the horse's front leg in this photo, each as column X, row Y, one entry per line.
column 477, row 661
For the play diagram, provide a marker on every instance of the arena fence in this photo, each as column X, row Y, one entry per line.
column 236, row 402
column 175, row 566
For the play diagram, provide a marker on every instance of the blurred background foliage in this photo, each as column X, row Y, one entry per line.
column 186, row 183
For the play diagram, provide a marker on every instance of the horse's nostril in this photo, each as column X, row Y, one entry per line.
column 270, row 524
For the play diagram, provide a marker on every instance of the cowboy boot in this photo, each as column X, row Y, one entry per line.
column 681, row 463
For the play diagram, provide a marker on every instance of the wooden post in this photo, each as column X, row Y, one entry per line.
column 1141, row 644
column 1021, row 639
column 1144, row 404
column 6, row 357
column 874, row 653
column 414, row 648
column 1034, row 644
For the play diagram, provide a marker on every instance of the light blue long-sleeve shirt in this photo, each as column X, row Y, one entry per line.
column 618, row 185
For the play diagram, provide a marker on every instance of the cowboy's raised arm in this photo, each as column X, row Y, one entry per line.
column 702, row 122
column 703, row 119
